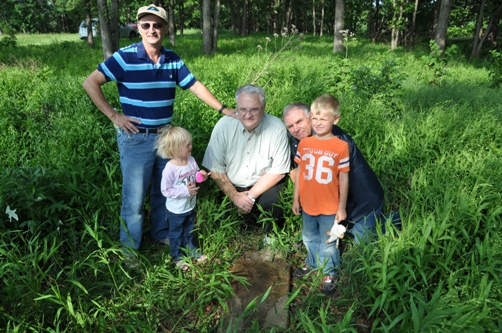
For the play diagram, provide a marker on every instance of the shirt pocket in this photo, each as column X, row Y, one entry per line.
column 262, row 165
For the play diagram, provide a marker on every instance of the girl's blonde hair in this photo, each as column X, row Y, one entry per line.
column 172, row 139
column 327, row 103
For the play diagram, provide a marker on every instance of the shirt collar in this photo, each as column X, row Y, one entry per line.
column 257, row 129
column 142, row 53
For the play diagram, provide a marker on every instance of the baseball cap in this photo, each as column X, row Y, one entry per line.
column 152, row 9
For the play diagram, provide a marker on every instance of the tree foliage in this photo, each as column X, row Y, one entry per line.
column 397, row 22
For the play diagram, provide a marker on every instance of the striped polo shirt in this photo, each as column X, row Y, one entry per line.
column 147, row 90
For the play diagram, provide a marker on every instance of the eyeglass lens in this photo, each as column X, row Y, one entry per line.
column 146, row 26
column 253, row 111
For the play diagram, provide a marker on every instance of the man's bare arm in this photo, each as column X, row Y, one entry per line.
column 344, row 192
column 240, row 199
column 92, row 85
column 201, row 91
column 266, row 182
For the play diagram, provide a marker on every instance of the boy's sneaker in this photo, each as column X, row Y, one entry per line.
column 132, row 262
column 163, row 241
column 328, row 286
column 181, row 265
column 201, row 258
column 300, row 272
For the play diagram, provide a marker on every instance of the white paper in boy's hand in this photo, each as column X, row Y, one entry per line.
column 337, row 232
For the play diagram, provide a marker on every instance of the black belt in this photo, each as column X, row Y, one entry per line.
column 150, row 130
column 243, row 189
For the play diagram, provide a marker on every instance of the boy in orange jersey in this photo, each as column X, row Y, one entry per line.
column 321, row 187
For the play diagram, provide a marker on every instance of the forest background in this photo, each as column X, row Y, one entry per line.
column 399, row 22
column 425, row 116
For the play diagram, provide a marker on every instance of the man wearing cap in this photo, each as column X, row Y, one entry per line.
column 146, row 75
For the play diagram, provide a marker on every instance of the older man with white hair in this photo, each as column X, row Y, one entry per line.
column 249, row 156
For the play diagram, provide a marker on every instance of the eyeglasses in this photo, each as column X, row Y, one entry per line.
column 253, row 111
column 146, row 26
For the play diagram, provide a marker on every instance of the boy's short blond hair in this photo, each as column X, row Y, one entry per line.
column 171, row 140
column 326, row 102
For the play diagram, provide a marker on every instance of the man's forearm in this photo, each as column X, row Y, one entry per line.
column 223, row 183
column 266, row 182
column 201, row 91
column 344, row 189
column 92, row 86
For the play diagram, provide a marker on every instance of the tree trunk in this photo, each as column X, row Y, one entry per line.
column 275, row 18
column 114, row 24
column 322, row 18
column 172, row 30
column 88, row 20
column 215, row 24
column 181, row 15
column 339, row 23
column 396, row 24
column 494, row 19
column 393, row 33
column 289, row 14
column 233, row 17
column 244, row 23
column 106, row 37
column 269, row 21
column 444, row 16
column 437, row 9
column 477, row 32
column 313, row 18
column 374, row 25
column 283, row 16
column 413, row 25
column 207, row 42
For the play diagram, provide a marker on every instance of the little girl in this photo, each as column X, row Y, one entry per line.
column 179, row 187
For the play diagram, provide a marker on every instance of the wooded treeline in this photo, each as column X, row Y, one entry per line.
column 397, row 22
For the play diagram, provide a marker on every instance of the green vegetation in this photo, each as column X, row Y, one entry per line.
column 46, row 39
column 436, row 149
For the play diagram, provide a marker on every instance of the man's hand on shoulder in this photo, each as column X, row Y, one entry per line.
column 230, row 113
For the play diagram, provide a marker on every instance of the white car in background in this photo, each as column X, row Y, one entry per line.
column 125, row 30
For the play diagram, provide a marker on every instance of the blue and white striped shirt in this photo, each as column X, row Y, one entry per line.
column 147, row 90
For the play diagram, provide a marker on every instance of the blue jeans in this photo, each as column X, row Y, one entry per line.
column 181, row 234
column 315, row 234
column 141, row 167
column 364, row 229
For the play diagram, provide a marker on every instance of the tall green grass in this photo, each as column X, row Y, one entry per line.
column 436, row 150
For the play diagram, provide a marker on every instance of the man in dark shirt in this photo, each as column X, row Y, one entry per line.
column 365, row 197
column 146, row 74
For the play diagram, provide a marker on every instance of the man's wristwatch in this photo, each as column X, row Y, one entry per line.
column 223, row 107
column 250, row 197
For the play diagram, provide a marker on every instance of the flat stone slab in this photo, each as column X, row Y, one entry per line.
column 260, row 273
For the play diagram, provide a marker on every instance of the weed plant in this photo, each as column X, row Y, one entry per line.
column 436, row 150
